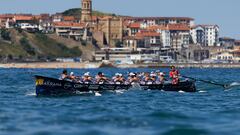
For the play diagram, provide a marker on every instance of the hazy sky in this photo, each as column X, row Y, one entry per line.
column 225, row 13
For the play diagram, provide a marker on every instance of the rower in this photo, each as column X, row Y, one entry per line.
column 162, row 78
column 101, row 79
column 174, row 75
column 64, row 75
column 118, row 79
column 133, row 78
column 87, row 78
column 72, row 76
column 146, row 78
column 153, row 77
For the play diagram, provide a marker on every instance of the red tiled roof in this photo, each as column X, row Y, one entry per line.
column 19, row 18
column 68, row 18
column 180, row 27
column 135, row 25
column 68, row 24
column 6, row 16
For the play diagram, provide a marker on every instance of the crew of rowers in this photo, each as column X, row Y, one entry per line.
column 142, row 78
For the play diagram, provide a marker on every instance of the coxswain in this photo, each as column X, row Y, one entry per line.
column 174, row 75
column 64, row 75
column 87, row 78
column 101, row 79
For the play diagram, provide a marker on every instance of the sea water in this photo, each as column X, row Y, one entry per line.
column 211, row 110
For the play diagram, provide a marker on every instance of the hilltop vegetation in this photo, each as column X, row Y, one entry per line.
column 77, row 12
column 22, row 45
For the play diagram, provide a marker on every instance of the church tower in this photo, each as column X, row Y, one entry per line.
column 86, row 11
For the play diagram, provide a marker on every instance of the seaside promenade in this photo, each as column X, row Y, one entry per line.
column 55, row 65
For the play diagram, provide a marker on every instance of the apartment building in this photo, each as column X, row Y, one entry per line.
column 70, row 30
column 205, row 35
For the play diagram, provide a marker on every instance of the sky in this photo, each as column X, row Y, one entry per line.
column 225, row 13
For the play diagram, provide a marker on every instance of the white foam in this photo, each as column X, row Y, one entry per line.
column 97, row 94
column 31, row 94
column 79, row 93
column 234, row 84
column 202, row 91
column 120, row 91
column 136, row 86
column 181, row 91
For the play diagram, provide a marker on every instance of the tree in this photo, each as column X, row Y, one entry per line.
column 5, row 35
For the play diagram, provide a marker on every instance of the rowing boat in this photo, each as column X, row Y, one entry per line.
column 47, row 86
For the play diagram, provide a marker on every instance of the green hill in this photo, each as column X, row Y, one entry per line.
column 23, row 45
column 77, row 12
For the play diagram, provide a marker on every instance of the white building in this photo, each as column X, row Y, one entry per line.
column 164, row 34
column 179, row 35
column 28, row 26
column 70, row 30
column 206, row 35
column 151, row 21
column 223, row 56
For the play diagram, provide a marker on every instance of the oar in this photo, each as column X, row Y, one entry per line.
column 225, row 86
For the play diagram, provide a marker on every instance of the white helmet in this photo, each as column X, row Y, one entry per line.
column 131, row 74
column 162, row 74
column 71, row 73
column 87, row 74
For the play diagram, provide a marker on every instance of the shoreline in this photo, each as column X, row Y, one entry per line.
column 60, row 65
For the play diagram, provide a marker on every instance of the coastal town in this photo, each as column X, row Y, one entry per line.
column 128, row 39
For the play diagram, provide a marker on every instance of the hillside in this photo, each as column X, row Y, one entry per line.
column 18, row 44
column 77, row 12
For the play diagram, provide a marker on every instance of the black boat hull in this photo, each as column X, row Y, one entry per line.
column 50, row 86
